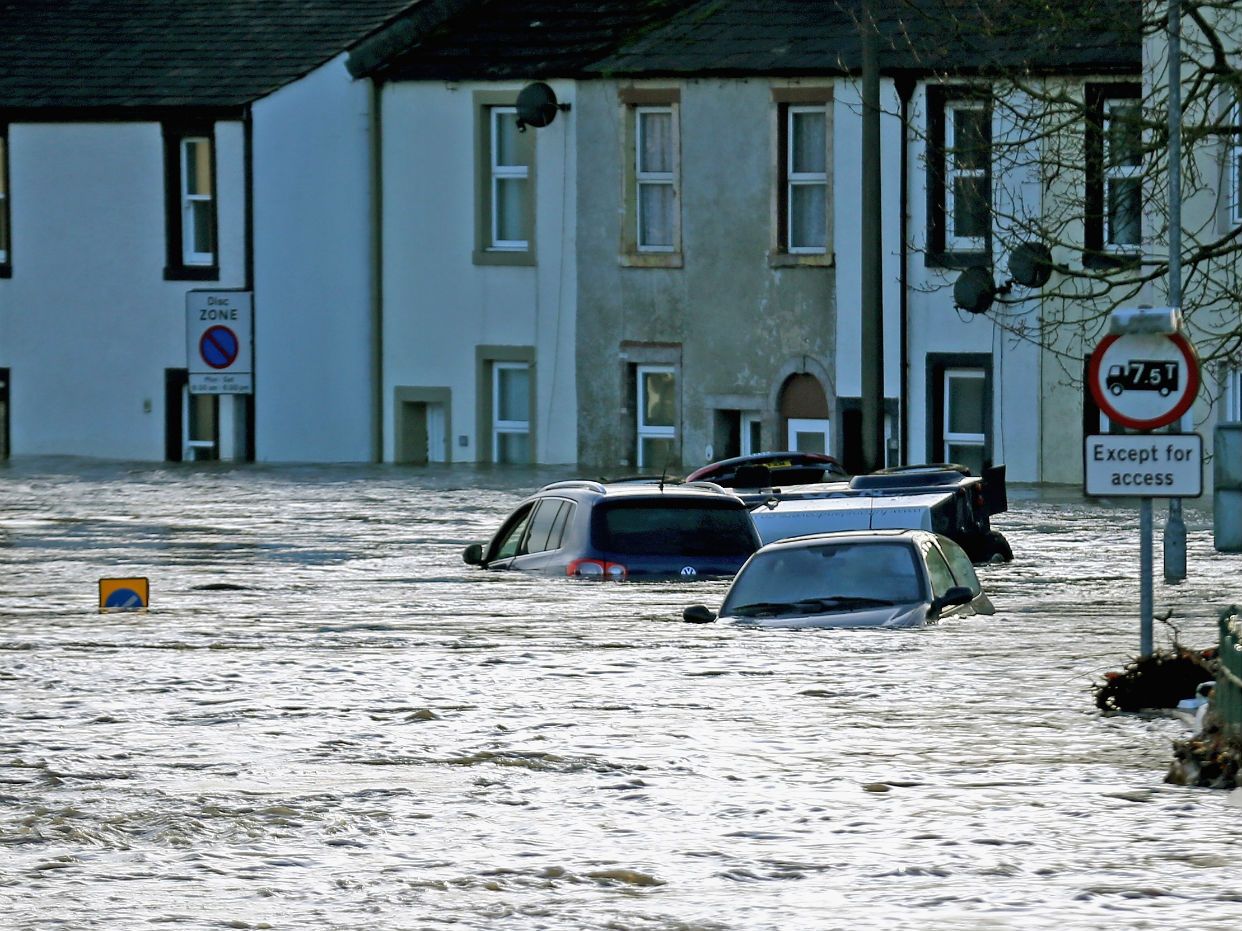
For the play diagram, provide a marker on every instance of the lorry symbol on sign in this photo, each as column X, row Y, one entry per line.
column 1158, row 375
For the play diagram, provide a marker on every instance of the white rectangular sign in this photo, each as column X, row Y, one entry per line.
column 218, row 342
column 1144, row 465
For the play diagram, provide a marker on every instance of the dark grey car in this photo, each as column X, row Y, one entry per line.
column 623, row 530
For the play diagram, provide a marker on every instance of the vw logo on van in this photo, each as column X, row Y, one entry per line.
column 688, row 570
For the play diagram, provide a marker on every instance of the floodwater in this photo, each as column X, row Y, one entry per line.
column 326, row 720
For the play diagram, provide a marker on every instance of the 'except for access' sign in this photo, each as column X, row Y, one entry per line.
column 1152, row 465
column 218, row 342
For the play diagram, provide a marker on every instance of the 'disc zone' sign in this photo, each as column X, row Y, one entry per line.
column 1144, row 381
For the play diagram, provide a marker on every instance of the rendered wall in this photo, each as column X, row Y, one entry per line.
column 438, row 304
column 87, row 322
column 314, row 373
column 742, row 325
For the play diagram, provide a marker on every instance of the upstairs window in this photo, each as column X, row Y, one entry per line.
column 505, row 220
column 190, row 187
column 510, row 182
column 1123, row 166
column 656, row 179
column 5, row 262
column 806, row 179
column 1113, row 224
column 651, row 235
column 960, row 175
column 1233, row 171
column 967, row 146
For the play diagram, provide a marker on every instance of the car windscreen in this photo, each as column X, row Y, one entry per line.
column 830, row 576
column 671, row 527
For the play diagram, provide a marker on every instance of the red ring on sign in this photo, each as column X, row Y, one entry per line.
column 1105, row 403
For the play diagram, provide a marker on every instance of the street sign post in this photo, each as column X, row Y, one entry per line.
column 218, row 342
column 1144, row 375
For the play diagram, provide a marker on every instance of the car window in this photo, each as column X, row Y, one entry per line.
column 509, row 538
column 887, row 572
column 556, row 537
column 959, row 564
column 672, row 527
column 547, row 515
column 937, row 571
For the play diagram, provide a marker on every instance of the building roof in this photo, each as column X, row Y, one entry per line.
column 118, row 55
column 527, row 39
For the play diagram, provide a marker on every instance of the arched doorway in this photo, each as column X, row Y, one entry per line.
column 803, row 409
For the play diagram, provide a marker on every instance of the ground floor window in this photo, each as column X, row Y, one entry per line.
column 960, row 387
column 1232, row 394
column 511, row 390
column 191, row 421
column 809, row 435
column 656, row 386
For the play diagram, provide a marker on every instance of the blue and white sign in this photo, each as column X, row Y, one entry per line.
column 218, row 326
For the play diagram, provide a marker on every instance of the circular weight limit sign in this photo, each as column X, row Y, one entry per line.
column 1144, row 381
column 218, row 347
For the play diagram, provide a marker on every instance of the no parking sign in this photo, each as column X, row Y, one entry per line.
column 218, row 342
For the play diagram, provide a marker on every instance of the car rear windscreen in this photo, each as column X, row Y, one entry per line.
column 674, row 528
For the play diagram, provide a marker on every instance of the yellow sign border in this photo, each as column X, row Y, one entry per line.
column 141, row 585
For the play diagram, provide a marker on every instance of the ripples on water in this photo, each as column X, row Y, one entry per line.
column 327, row 720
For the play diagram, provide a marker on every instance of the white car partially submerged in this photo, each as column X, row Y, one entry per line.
column 884, row 578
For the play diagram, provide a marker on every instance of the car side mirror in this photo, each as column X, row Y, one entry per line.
column 698, row 614
column 473, row 554
column 957, row 595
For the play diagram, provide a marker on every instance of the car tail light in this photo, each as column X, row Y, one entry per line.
column 596, row 569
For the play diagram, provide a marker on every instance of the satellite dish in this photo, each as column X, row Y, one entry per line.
column 974, row 289
column 1030, row 264
column 537, row 106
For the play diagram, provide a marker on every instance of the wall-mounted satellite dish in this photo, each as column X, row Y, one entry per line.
column 1030, row 264
column 537, row 106
column 974, row 290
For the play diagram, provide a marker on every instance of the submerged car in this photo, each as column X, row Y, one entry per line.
column 791, row 495
column 623, row 530
column 886, row 578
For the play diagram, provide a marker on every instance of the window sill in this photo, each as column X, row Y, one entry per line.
column 1103, row 261
column 801, row 259
column 651, row 260
column 504, row 257
column 191, row 273
column 957, row 260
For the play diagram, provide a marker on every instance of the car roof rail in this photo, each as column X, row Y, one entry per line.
column 576, row 483
column 708, row 486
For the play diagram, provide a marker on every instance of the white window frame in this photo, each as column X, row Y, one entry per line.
column 651, row 431
column 1113, row 173
column 953, row 242
column 670, row 179
column 960, row 439
column 795, row 179
column 497, row 173
column 184, row 147
column 750, row 423
column 506, row 427
column 1231, row 384
column 821, row 425
column 1234, row 172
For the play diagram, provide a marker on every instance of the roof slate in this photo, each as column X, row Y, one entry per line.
column 121, row 54
column 528, row 39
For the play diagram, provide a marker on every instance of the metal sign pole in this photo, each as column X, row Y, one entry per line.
column 1146, row 599
column 1175, row 529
